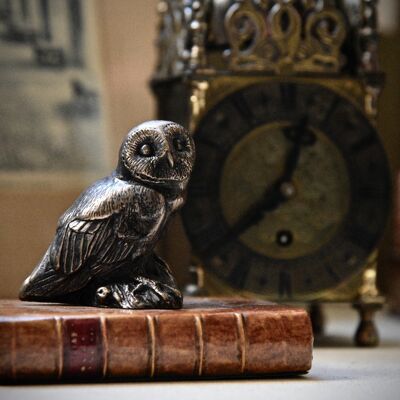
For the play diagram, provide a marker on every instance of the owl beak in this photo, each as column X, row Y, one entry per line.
column 170, row 160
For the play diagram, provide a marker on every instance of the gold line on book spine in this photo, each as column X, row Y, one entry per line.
column 199, row 331
column 285, row 341
column 103, row 327
column 58, row 327
column 152, row 344
column 14, row 351
column 242, row 339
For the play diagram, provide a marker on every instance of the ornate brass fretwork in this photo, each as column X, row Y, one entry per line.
column 281, row 40
column 273, row 36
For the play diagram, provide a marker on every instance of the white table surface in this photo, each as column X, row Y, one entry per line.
column 339, row 372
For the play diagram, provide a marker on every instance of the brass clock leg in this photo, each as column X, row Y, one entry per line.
column 317, row 318
column 366, row 334
column 368, row 302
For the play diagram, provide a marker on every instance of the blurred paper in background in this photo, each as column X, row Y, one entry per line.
column 51, row 114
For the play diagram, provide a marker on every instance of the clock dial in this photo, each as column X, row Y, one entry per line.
column 290, row 190
column 305, row 219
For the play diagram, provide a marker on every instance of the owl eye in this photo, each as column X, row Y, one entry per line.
column 179, row 144
column 146, row 150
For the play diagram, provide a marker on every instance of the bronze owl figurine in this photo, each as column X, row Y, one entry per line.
column 103, row 251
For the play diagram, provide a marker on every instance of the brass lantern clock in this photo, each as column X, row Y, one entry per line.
column 290, row 192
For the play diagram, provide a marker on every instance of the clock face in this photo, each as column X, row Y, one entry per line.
column 290, row 190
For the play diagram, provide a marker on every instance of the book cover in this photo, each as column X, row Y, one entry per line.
column 208, row 337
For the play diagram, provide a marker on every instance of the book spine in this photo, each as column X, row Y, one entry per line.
column 155, row 345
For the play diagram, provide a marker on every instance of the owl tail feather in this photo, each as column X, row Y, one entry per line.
column 45, row 283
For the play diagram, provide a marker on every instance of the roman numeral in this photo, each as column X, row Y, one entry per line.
column 264, row 98
column 211, row 143
column 332, row 273
column 330, row 111
column 365, row 142
column 199, row 189
column 370, row 191
column 285, row 284
column 239, row 274
column 288, row 95
column 243, row 107
column 360, row 237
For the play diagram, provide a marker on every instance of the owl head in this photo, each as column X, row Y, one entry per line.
column 157, row 153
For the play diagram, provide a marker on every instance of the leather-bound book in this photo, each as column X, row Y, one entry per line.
column 208, row 337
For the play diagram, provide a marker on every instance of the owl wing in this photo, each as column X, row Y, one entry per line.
column 90, row 228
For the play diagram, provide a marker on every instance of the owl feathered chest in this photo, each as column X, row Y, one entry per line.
column 144, row 219
column 147, row 217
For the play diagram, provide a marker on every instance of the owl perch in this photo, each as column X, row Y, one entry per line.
column 103, row 251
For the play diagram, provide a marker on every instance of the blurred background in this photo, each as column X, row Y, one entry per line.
column 74, row 77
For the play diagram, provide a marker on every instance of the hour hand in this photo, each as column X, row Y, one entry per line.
column 300, row 135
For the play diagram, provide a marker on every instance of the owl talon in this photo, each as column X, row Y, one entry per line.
column 102, row 292
column 142, row 293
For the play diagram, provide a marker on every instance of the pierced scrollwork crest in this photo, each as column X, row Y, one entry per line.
column 275, row 36
column 247, row 33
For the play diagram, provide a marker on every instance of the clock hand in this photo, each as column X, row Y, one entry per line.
column 297, row 134
column 269, row 202
column 273, row 196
